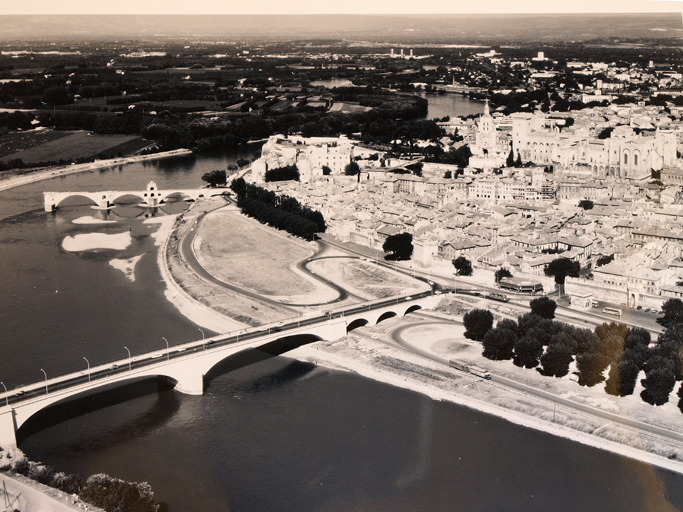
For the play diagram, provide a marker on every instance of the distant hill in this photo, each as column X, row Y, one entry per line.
column 375, row 28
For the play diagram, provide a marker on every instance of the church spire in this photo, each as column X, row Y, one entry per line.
column 487, row 112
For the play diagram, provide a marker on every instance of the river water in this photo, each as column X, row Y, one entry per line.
column 440, row 105
column 279, row 434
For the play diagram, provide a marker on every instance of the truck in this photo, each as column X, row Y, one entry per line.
column 474, row 370
column 459, row 366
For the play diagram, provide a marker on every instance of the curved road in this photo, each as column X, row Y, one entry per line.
column 187, row 252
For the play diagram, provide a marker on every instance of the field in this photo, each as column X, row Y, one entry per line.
column 235, row 250
column 74, row 146
column 17, row 141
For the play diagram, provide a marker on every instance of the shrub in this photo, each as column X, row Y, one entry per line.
column 115, row 495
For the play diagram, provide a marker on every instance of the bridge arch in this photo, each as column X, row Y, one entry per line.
column 358, row 322
column 179, row 195
column 70, row 407
column 68, row 198
column 117, row 197
column 412, row 308
column 385, row 316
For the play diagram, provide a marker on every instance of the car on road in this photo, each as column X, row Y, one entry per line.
column 281, row 324
column 156, row 354
column 409, row 298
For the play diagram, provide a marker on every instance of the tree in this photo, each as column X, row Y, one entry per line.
column 560, row 268
column 612, row 337
column 56, row 96
column 326, row 171
column 352, row 169
column 673, row 312
column 622, row 378
column 499, row 344
column 543, row 307
column 239, row 187
column 659, row 381
column 477, row 323
column 555, row 361
column 400, row 246
column 586, row 204
column 415, row 168
column 604, row 260
column 215, row 178
column 501, row 273
column 518, row 162
column 507, row 323
column 527, row 351
column 510, row 162
column 591, row 365
column 463, row 266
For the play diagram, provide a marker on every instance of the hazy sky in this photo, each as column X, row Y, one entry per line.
column 331, row 6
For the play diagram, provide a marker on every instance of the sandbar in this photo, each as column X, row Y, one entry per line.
column 92, row 241
column 92, row 220
column 126, row 266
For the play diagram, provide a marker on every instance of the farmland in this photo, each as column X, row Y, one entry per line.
column 71, row 146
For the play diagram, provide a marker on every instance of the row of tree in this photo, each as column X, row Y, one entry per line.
column 282, row 212
column 535, row 339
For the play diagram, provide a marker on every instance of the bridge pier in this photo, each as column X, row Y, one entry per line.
column 191, row 383
column 8, row 427
column 49, row 201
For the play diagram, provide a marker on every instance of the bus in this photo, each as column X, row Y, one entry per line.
column 520, row 285
column 612, row 311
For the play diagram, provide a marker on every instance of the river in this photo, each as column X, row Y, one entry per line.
column 440, row 105
column 276, row 435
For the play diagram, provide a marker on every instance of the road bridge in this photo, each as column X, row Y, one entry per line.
column 151, row 197
column 187, row 364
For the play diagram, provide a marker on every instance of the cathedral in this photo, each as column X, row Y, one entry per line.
column 488, row 151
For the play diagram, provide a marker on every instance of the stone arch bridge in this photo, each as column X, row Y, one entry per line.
column 151, row 197
column 191, row 362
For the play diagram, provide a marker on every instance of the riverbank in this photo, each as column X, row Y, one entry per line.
column 172, row 269
column 46, row 173
column 370, row 352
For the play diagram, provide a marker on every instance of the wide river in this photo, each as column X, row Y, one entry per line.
column 278, row 435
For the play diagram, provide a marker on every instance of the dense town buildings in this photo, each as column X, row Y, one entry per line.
column 630, row 241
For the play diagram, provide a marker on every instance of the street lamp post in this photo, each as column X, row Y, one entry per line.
column 86, row 360
column 6, row 398
column 129, row 364
column 203, row 344
column 167, row 354
column 46, row 390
